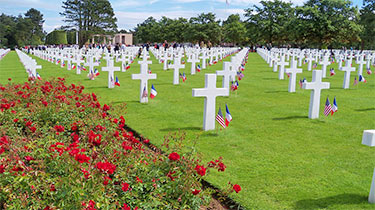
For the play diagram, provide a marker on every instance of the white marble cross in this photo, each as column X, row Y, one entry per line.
column 32, row 66
column 368, row 139
column 144, row 76
column 193, row 60
column 111, row 69
column 316, row 86
column 108, row 58
column 324, row 64
column 361, row 62
column 282, row 63
column 204, row 57
column 293, row 71
column 347, row 70
column 309, row 59
column 210, row 92
column 275, row 61
column 78, row 62
column 227, row 74
column 176, row 72
column 91, row 63
column 69, row 61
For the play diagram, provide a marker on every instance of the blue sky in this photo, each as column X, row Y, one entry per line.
column 131, row 12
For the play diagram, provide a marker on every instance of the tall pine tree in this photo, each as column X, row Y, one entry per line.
column 89, row 17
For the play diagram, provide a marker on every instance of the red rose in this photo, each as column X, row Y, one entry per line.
column 106, row 167
column 125, row 186
column 82, row 158
column 126, row 207
column 15, row 120
column 59, row 128
column 237, row 188
column 146, row 141
column 196, row 192
column 2, row 169
column 105, row 107
column 174, row 156
column 33, row 129
column 200, row 170
column 52, row 188
column 9, row 79
column 28, row 158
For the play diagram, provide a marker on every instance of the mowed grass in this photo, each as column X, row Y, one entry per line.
column 282, row 159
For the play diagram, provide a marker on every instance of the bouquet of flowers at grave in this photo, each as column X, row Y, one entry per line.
column 61, row 148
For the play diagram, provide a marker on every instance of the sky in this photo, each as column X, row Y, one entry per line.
column 131, row 12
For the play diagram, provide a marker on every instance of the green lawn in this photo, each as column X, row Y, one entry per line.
column 282, row 159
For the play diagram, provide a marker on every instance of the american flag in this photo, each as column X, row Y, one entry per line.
column 144, row 94
column 300, row 83
column 355, row 81
column 327, row 108
column 240, row 75
column 149, row 70
column 220, row 119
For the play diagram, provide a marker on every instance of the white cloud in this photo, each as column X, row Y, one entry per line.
column 127, row 3
column 153, row 1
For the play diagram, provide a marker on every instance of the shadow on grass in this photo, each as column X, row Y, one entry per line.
column 290, row 118
column 210, row 134
column 276, row 91
column 273, row 78
column 365, row 110
column 323, row 203
column 181, row 129
column 339, row 88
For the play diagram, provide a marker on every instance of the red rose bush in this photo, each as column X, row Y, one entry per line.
column 61, row 149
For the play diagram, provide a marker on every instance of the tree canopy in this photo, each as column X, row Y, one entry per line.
column 89, row 17
column 22, row 30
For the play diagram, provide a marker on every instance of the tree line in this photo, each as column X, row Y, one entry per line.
column 22, row 30
column 315, row 24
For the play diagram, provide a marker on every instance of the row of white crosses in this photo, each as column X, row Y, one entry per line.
column 30, row 64
column 3, row 52
column 210, row 92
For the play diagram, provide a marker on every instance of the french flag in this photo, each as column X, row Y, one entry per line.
column 96, row 72
column 198, row 68
column 38, row 76
column 369, row 71
column 334, row 107
column 73, row 66
column 228, row 117
column 127, row 66
column 117, row 82
column 362, row 79
column 153, row 92
column 83, row 68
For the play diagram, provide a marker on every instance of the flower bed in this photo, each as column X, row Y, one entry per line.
column 61, row 149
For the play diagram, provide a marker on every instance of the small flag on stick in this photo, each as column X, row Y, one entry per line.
column 220, row 118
